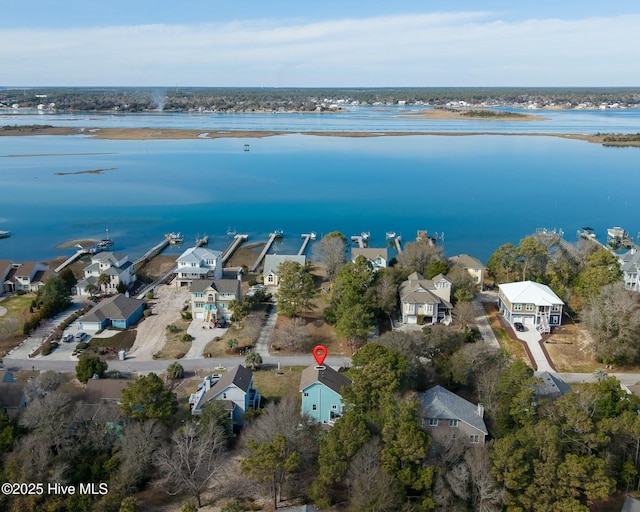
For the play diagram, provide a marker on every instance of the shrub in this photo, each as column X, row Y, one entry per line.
column 47, row 348
column 82, row 346
column 186, row 337
column 188, row 507
column 175, row 370
column 149, row 295
column 253, row 281
column 147, row 313
column 172, row 328
column 187, row 315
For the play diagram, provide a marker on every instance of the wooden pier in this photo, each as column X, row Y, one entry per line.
column 396, row 241
column 362, row 239
column 308, row 237
column 154, row 251
column 272, row 238
column 202, row 242
column 237, row 241
column 79, row 254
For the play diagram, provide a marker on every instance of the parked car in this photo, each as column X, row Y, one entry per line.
column 80, row 336
column 519, row 326
column 67, row 338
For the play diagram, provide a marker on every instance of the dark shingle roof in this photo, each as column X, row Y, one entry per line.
column 99, row 390
column 239, row 376
column 440, row 403
column 118, row 307
column 325, row 375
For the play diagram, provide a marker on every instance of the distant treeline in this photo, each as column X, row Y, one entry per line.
column 128, row 99
column 621, row 137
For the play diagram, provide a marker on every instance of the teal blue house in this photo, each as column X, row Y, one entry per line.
column 321, row 393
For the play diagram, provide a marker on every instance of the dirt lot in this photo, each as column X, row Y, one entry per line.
column 571, row 349
column 152, row 333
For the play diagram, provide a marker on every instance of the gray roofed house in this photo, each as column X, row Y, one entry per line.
column 104, row 390
column 273, row 261
column 21, row 276
column 198, row 263
column 6, row 376
column 630, row 265
column 425, row 301
column 551, row 386
column 235, row 386
column 321, row 388
column 446, row 414
column 12, row 398
column 116, row 265
column 117, row 311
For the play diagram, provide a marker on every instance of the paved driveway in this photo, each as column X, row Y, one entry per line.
column 532, row 338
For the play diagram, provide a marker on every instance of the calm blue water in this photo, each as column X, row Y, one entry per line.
column 481, row 191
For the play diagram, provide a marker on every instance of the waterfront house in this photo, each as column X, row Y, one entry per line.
column 472, row 265
column 117, row 311
column 270, row 275
column 321, row 393
column 210, row 299
column 630, row 265
column 116, row 265
column 198, row 263
column 5, row 267
column 235, row 389
column 530, row 304
column 378, row 258
column 28, row 277
column 13, row 398
column 425, row 301
column 446, row 414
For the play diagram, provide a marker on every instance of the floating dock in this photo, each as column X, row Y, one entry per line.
column 308, row 237
column 237, row 241
column 272, row 238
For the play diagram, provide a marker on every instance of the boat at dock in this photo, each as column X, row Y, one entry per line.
column 174, row 238
column 105, row 244
column 618, row 238
column 5, row 234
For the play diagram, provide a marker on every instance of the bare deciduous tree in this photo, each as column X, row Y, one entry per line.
column 331, row 252
column 191, row 460
column 486, row 494
column 141, row 439
column 416, row 256
column 294, row 334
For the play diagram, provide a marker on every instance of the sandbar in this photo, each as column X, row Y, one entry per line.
column 182, row 134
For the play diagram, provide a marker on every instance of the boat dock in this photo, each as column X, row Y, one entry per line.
column 272, row 238
column 395, row 239
column 307, row 238
column 362, row 239
column 78, row 254
column 237, row 241
column 202, row 242
column 154, row 251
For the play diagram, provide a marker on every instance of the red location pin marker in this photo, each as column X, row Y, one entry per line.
column 319, row 352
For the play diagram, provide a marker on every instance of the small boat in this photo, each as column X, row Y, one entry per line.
column 279, row 233
column 5, row 234
column 174, row 238
column 104, row 244
column 312, row 236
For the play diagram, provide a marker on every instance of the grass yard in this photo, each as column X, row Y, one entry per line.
column 11, row 322
column 274, row 385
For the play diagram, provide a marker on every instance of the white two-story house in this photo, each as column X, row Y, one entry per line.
column 198, row 263
column 378, row 258
column 630, row 265
column 116, row 265
column 425, row 301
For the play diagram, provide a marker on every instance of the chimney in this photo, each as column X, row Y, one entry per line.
column 481, row 410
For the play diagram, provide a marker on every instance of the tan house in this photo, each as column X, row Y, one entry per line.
column 379, row 258
column 425, row 301
column 446, row 414
column 28, row 277
column 210, row 299
column 472, row 265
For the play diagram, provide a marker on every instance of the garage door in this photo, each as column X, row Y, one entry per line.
column 200, row 315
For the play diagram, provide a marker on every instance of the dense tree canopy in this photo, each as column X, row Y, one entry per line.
column 146, row 398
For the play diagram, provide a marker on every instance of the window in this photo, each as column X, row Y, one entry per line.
column 433, row 422
column 555, row 307
column 270, row 278
column 475, row 439
column 517, row 307
column 453, row 423
column 306, row 394
column 224, row 396
column 529, row 307
column 314, row 407
column 334, row 406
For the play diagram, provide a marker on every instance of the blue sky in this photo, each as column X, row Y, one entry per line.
column 305, row 43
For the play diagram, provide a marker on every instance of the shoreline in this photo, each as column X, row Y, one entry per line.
column 187, row 134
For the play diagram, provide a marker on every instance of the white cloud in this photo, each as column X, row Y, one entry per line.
column 464, row 49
